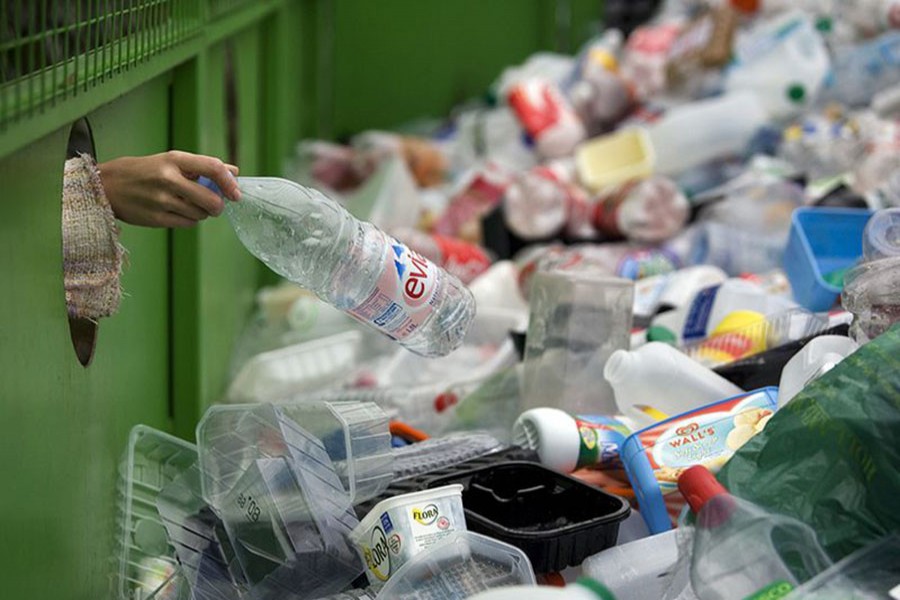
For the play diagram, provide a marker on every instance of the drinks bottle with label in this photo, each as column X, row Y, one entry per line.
column 311, row 240
column 650, row 210
column 741, row 551
column 458, row 257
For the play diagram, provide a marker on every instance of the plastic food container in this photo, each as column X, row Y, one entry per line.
column 557, row 520
column 462, row 564
column 615, row 158
column 147, row 565
column 355, row 436
column 271, row 376
column 399, row 528
column 822, row 241
column 654, row 457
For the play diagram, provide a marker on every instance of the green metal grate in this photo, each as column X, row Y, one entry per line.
column 51, row 50
column 221, row 7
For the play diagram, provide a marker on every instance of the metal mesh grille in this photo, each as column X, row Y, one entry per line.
column 220, row 7
column 54, row 49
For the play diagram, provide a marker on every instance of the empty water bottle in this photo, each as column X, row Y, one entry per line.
column 311, row 240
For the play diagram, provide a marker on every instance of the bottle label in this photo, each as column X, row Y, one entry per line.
column 646, row 263
column 697, row 321
column 404, row 295
column 773, row 591
column 538, row 105
column 606, row 211
column 464, row 260
column 601, row 439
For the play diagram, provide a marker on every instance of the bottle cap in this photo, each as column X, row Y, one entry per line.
column 553, row 434
column 658, row 333
column 747, row 6
column 209, row 184
column 698, row 486
column 796, row 93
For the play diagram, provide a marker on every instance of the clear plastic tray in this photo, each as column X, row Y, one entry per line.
column 464, row 564
column 784, row 327
column 146, row 562
column 270, row 376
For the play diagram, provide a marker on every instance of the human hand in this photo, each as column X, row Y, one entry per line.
column 161, row 190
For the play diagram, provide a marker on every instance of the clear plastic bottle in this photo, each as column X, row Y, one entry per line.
column 314, row 242
column 859, row 72
column 872, row 289
column 541, row 203
column 650, row 210
column 458, row 257
column 741, row 551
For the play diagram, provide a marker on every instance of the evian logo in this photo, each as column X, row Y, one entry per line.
column 416, row 275
column 427, row 515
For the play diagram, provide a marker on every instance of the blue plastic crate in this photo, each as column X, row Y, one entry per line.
column 822, row 241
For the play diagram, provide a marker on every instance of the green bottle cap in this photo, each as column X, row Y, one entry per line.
column 824, row 24
column 796, row 93
column 658, row 333
column 595, row 586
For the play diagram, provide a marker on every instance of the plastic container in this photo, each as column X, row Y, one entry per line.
column 445, row 451
column 818, row 357
column 578, row 319
column 657, row 381
column 274, row 375
column 655, row 457
column 355, row 436
column 822, row 241
column 462, row 564
column 638, row 570
column 398, row 528
column 555, row 519
column 730, row 344
column 614, row 159
column 146, row 561
column 565, row 443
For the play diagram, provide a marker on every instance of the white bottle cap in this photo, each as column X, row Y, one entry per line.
column 553, row 434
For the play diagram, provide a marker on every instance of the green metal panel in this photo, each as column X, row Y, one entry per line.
column 63, row 427
column 214, row 276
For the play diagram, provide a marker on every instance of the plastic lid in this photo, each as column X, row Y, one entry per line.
column 553, row 434
column 658, row 333
column 796, row 93
column 698, row 486
column 881, row 238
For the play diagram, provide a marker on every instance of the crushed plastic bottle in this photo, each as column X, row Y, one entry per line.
column 309, row 239
column 650, row 210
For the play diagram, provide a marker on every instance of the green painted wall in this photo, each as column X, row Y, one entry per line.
column 63, row 427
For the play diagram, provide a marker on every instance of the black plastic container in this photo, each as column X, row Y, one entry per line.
column 557, row 520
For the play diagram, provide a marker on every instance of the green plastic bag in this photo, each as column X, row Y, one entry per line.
column 831, row 456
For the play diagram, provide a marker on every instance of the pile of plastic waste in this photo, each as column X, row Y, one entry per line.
column 631, row 322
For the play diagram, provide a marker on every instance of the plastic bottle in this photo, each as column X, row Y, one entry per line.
column 657, row 381
column 460, row 258
column 741, row 551
column 650, row 210
column 637, row 570
column 698, row 319
column 540, row 203
column 859, row 72
column 872, row 290
column 696, row 133
column 673, row 290
column 547, row 117
column 583, row 589
column 784, row 61
column 567, row 443
column 818, row 357
column 311, row 240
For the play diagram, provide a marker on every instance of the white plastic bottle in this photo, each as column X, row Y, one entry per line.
column 818, row 357
column 565, row 443
column 694, row 134
column 311, row 240
column 696, row 320
column 673, row 290
column 657, row 381
column 583, row 589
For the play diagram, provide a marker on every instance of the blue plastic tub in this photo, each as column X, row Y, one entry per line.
column 822, row 241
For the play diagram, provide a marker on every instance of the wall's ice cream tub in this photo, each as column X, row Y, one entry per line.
column 400, row 527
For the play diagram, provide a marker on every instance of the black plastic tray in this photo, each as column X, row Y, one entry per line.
column 557, row 520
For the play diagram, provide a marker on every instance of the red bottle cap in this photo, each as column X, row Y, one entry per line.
column 747, row 6
column 699, row 486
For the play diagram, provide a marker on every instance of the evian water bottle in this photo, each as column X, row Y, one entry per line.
column 311, row 240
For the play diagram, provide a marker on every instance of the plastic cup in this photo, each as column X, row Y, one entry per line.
column 578, row 320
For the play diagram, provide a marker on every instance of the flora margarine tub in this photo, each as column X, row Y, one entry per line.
column 400, row 527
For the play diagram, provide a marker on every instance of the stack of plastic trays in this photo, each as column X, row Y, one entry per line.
column 207, row 559
column 436, row 453
column 738, row 344
column 464, row 564
column 284, row 505
column 146, row 563
column 271, row 376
